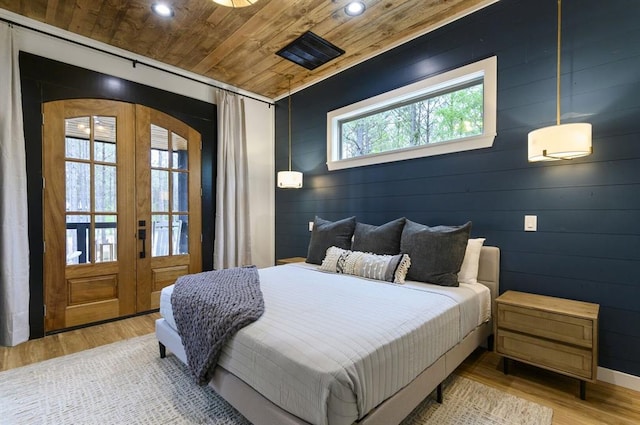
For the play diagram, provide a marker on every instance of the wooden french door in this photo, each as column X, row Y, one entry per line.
column 121, row 208
column 168, row 203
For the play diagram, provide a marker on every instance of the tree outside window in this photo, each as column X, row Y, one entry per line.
column 434, row 119
column 454, row 111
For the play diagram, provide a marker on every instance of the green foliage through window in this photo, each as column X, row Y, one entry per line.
column 453, row 111
column 435, row 118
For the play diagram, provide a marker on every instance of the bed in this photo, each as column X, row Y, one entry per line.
column 271, row 380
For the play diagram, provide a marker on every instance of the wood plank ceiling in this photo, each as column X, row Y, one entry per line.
column 238, row 46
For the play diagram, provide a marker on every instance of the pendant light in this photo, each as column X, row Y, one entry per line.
column 560, row 141
column 289, row 179
column 235, row 3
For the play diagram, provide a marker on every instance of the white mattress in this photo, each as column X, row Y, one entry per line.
column 331, row 347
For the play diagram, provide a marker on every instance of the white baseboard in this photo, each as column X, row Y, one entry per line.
column 619, row 378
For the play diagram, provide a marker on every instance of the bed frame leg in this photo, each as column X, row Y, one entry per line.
column 439, row 398
column 163, row 350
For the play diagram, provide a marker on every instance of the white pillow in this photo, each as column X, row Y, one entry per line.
column 469, row 270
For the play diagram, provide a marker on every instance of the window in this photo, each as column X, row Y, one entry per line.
column 451, row 112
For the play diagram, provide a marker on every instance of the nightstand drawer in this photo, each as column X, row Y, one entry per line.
column 553, row 326
column 562, row 358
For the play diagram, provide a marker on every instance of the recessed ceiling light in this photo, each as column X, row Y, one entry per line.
column 236, row 3
column 162, row 9
column 355, row 8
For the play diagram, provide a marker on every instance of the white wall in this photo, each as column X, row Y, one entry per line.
column 260, row 117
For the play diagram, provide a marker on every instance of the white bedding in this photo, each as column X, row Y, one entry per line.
column 331, row 347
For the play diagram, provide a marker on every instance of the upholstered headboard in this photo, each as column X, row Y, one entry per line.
column 489, row 269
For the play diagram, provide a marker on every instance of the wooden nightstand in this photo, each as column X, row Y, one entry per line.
column 553, row 333
column 283, row 261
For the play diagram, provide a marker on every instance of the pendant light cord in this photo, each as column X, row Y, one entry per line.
column 289, row 77
column 558, row 60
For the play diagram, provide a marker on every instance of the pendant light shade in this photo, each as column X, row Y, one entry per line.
column 235, row 3
column 289, row 179
column 560, row 141
column 566, row 141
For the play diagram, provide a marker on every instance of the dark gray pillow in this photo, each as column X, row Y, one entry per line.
column 436, row 252
column 326, row 234
column 381, row 240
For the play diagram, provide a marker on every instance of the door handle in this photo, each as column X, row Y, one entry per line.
column 142, row 235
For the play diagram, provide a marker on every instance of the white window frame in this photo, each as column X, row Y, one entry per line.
column 486, row 70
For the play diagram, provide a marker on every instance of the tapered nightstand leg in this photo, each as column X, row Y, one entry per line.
column 583, row 390
column 505, row 365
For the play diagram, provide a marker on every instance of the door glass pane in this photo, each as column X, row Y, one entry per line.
column 76, row 148
column 180, row 191
column 104, row 129
column 106, row 235
column 180, row 234
column 104, row 145
column 159, row 191
column 105, row 152
column 78, row 177
column 77, row 132
column 105, row 188
column 159, row 147
column 159, row 235
column 180, row 155
column 77, row 240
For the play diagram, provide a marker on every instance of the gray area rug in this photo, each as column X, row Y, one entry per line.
column 127, row 383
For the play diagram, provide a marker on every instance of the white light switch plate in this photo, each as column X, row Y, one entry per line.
column 530, row 223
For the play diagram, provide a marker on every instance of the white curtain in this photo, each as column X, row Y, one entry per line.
column 14, row 244
column 232, row 247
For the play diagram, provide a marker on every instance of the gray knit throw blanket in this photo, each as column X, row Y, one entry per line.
column 209, row 308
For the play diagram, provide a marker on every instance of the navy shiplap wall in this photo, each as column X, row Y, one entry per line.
column 588, row 242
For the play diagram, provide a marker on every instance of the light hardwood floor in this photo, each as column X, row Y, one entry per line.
column 605, row 404
column 69, row 342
